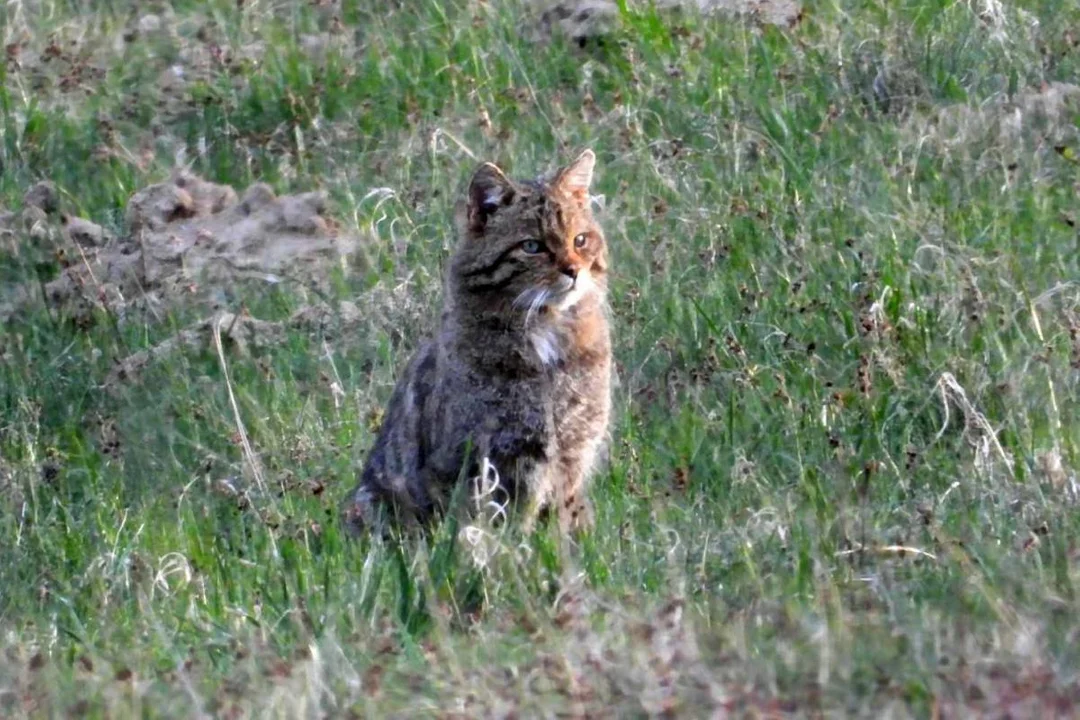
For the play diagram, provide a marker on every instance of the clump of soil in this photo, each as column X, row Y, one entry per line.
column 187, row 241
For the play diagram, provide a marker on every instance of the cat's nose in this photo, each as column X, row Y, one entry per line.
column 570, row 272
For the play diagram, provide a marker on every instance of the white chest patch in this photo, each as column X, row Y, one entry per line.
column 545, row 342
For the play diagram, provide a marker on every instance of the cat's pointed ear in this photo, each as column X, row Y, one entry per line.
column 489, row 190
column 575, row 178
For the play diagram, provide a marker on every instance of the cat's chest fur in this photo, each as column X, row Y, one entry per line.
column 560, row 343
column 547, row 344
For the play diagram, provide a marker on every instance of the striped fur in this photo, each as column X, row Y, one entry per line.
column 519, row 371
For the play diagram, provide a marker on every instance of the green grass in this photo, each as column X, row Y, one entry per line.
column 839, row 326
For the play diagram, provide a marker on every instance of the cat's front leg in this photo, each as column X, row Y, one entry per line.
column 540, row 500
column 575, row 510
column 519, row 469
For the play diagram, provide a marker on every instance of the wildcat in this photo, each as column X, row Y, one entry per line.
column 519, row 371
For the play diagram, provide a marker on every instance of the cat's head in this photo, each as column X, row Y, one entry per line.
column 530, row 246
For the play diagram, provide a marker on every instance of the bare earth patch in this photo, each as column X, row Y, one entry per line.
column 187, row 241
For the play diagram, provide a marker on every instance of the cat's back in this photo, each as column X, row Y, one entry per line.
column 392, row 472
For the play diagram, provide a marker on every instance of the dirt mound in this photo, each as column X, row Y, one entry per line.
column 187, row 241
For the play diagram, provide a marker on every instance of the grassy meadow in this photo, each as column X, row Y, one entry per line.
column 846, row 300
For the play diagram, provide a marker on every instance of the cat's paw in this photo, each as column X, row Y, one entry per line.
column 359, row 514
column 576, row 515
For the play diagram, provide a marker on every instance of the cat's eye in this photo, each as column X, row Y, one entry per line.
column 581, row 240
column 531, row 247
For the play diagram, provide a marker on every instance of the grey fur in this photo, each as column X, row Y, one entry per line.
column 519, row 371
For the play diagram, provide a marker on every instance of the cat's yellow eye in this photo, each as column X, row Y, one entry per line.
column 581, row 240
column 531, row 247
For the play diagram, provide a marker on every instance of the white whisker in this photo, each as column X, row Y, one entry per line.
column 534, row 307
column 531, row 300
column 524, row 298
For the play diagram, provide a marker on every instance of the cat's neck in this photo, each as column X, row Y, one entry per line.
column 496, row 339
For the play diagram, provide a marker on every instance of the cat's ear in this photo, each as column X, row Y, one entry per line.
column 575, row 178
column 489, row 190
